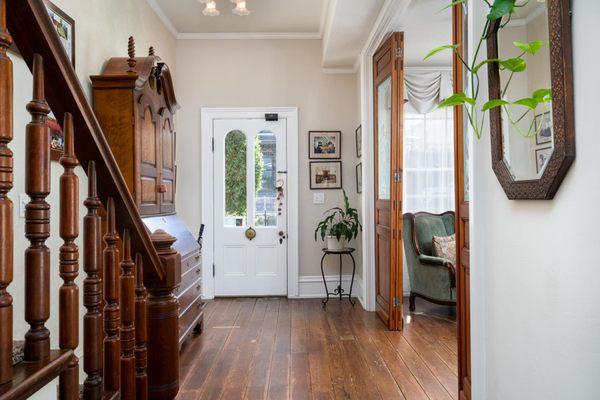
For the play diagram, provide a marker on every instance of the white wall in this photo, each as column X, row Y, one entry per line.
column 534, row 268
column 256, row 73
column 102, row 29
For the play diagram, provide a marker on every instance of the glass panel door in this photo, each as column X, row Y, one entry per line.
column 384, row 139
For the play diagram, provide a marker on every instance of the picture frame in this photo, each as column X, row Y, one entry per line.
column 359, row 178
column 64, row 26
column 542, row 155
column 325, row 175
column 57, row 143
column 325, row 145
column 358, row 138
column 544, row 122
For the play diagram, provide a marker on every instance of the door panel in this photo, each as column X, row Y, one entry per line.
column 388, row 104
column 248, row 155
column 167, row 174
column 148, row 196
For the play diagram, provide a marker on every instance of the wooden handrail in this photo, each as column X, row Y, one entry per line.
column 33, row 32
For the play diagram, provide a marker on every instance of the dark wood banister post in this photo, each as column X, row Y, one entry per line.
column 69, row 263
column 163, row 322
column 37, row 221
column 6, row 205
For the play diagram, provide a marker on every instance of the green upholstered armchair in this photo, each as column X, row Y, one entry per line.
column 431, row 278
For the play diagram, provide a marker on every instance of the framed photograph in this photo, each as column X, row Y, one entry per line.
column 358, row 134
column 359, row 178
column 541, row 158
column 57, row 144
column 325, row 175
column 65, row 28
column 325, row 144
column 543, row 123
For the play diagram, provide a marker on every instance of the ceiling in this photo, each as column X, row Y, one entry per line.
column 342, row 25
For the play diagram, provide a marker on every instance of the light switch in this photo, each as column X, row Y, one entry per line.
column 319, row 198
column 23, row 200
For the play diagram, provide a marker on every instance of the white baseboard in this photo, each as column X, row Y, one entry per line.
column 311, row 286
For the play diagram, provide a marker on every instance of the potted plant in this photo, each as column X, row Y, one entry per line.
column 339, row 226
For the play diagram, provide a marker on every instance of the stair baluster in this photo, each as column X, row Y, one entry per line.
column 141, row 356
column 37, row 221
column 112, row 320
column 92, row 290
column 69, row 263
column 128, row 321
column 6, row 205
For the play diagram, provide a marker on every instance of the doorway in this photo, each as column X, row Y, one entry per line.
column 248, row 202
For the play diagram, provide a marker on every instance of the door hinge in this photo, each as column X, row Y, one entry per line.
column 213, row 270
column 397, row 177
column 396, row 302
column 213, row 144
column 399, row 52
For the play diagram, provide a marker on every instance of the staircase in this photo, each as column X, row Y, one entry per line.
column 131, row 314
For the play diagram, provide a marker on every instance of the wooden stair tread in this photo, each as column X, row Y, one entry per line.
column 29, row 377
column 110, row 396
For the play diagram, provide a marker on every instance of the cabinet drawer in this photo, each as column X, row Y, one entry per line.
column 188, row 279
column 187, row 297
column 190, row 317
column 190, row 262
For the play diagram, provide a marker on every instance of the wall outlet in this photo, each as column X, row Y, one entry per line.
column 23, row 200
column 319, row 198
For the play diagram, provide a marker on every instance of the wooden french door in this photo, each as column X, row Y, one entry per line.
column 461, row 160
column 388, row 78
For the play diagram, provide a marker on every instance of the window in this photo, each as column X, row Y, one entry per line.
column 428, row 161
column 235, row 179
column 265, row 169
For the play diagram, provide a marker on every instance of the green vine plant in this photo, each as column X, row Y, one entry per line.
column 498, row 9
column 340, row 222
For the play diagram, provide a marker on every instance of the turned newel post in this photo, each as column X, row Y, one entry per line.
column 69, row 263
column 6, row 205
column 37, row 220
column 163, row 322
column 128, row 321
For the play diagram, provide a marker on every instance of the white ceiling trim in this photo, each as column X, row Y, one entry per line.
column 249, row 36
column 163, row 17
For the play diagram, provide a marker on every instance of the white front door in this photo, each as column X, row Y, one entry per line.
column 250, row 207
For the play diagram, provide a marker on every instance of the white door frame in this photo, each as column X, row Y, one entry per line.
column 208, row 115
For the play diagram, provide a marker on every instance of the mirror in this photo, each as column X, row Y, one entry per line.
column 527, row 141
column 532, row 132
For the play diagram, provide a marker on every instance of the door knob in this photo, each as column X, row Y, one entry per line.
column 250, row 233
column 281, row 237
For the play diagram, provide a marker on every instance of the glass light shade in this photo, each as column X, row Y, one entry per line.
column 211, row 9
column 240, row 8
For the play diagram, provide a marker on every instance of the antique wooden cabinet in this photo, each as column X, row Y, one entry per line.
column 135, row 103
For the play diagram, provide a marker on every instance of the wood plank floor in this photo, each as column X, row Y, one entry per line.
column 275, row 348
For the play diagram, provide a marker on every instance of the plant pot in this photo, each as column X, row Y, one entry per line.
column 333, row 244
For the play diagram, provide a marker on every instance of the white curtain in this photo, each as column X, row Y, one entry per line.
column 428, row 146
column 425, row 89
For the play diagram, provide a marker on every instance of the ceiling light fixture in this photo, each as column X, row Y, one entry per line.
column 211, row 8
column 240, row 8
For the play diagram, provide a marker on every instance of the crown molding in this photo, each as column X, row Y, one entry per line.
column 163, row 17
column 250, row 36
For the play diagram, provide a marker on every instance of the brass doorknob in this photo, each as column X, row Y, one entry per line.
column 250, row 233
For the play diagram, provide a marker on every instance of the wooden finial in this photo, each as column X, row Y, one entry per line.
column 92, row 185
column 126, row 246
column 139, row 269
column 38, row 107
column 112, row 230
column 68, row 158
column 131, row 52
column 151, row 51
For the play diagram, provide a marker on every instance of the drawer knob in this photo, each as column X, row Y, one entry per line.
column 198, row 271
column 198, row 287
column 197, row 257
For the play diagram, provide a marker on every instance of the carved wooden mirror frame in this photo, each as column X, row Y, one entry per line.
column 561, row 72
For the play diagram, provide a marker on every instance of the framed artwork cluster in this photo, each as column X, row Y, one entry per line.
column 325, row 146
column 543, row 140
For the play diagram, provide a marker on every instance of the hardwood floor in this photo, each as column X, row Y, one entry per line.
column 275, row 348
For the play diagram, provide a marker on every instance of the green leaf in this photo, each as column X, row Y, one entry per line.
column 516, row 64
column 543, row 95
column 531, row 47
column 493, row 104
column 484, row 62
column 456, row 100
column 441, row 48
column 500, row 8
column 452, row 5
column 528, row 102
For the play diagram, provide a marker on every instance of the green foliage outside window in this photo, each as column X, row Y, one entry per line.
column 235, row 172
